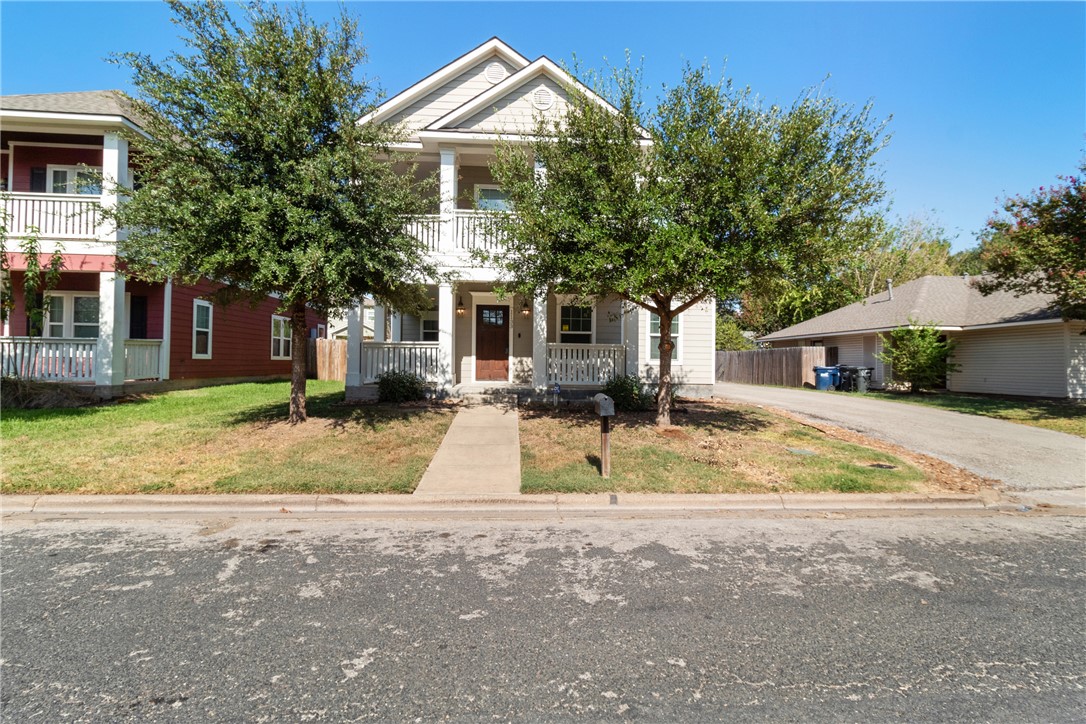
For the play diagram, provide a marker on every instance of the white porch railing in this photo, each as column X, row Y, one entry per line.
column 141, row 359
column 53, row 360
column 57, row 216
column 471, row 230
column 419, row 358
column 584, row 364
column 427, row 230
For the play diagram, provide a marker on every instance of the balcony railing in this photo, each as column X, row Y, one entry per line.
column 418, row 358
column 584, row 364
column 470, row 230
column 56, row 216
column 51, row 360
column 141, row 359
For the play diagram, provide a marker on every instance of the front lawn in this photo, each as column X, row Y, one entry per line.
column 1062, row 416
column 226, row 439
column 715, row 448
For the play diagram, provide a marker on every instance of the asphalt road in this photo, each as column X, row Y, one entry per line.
column 1022, row 457
column 941, row 618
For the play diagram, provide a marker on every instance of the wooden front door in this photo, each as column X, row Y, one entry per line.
column 491, row 342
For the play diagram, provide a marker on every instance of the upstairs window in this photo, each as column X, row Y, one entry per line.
column 74, row 180
column 489, row 197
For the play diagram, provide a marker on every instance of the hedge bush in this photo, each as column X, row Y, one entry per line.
column 400, row 387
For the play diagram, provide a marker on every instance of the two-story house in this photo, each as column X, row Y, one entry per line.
column 100, row 328
column 472, row 340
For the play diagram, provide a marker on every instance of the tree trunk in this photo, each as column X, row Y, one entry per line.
column 663, row 395
column 298, row 350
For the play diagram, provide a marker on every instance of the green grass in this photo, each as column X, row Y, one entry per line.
column 225, row 439
column 717, row 449
column 1062, row 416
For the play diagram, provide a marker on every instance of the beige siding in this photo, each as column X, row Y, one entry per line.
column 696, row 363
column 515, row 112
column 469, row 178
column 609, row 322
column 448, row 97
column 1076, row 360
column 1027, row 360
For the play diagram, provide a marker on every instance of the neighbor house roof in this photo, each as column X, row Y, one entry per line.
column 945, row 302
column 78, row 103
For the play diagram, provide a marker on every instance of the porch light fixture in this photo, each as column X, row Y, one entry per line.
column 525, row 310
column 460, row 311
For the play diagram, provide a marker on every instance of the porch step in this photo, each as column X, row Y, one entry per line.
column 507, row 400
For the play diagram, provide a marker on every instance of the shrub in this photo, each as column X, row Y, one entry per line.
column 628, row 393
column 400, row 387
column 919, row 356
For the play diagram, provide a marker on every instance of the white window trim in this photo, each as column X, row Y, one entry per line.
column 69, row 314
column 49, row 168
column 489, row 187
column 569, row 300
column 210, row 327
column 430, row 316
column 678, row 360
column 289, row 338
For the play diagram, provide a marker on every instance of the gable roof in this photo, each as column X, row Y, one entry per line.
column 93, row 103
column 492, row 47
column 946, row 302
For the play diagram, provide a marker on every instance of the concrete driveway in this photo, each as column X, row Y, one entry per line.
column 1024, row 458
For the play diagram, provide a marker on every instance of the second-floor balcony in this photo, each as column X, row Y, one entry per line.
column 466, row 231
column 53, row 216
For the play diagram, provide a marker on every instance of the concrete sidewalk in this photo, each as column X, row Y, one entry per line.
column 480, row 455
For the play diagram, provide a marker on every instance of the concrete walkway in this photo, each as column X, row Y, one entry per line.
column 1029, row 459
column 480, row 455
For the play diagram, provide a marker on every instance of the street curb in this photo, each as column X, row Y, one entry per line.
column 11, row 505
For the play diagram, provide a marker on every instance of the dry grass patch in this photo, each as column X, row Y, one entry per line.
column 228, row 439
column 717, row 448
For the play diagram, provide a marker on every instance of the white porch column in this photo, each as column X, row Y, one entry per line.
column 446, row 318
column 539, row 341
column 109, row 357
column 632, row 327
column 379, row 323
column 449, row 163
column 164, row 350
column 114, row 173
column 397, row 327
column 354, row 346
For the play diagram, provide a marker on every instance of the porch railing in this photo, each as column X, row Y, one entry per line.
column 584, row 364
column 141, row 359
column 419, row 358
column 473, row 230
column 53, row 360
column 58, row 216
column 427, row 230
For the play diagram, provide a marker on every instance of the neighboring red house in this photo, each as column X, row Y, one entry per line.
column 101, row 328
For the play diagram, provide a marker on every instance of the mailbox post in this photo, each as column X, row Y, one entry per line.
column 605, row 408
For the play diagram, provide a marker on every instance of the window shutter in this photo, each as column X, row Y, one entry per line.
column 34, row 327
column 37, row 180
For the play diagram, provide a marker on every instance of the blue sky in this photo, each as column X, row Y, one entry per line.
column 987, row 99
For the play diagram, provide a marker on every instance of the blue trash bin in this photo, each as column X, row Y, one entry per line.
column 827, row 378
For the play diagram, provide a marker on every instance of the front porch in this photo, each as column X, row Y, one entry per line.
column 97, row 329
column 471, row 341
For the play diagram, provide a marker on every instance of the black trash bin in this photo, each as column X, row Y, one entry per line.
column 848, row 378
column 862, row 378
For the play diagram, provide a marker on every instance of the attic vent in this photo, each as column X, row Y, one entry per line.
column 542, row 99
column 495, row 73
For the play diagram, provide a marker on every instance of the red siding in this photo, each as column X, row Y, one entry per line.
column 240, row 338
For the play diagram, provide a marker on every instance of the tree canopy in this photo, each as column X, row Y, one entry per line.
column 257, row 174
column 712, row 193
column 1038, row 244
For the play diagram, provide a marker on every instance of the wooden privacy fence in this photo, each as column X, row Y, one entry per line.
column 784, row 366
column 327, row 359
